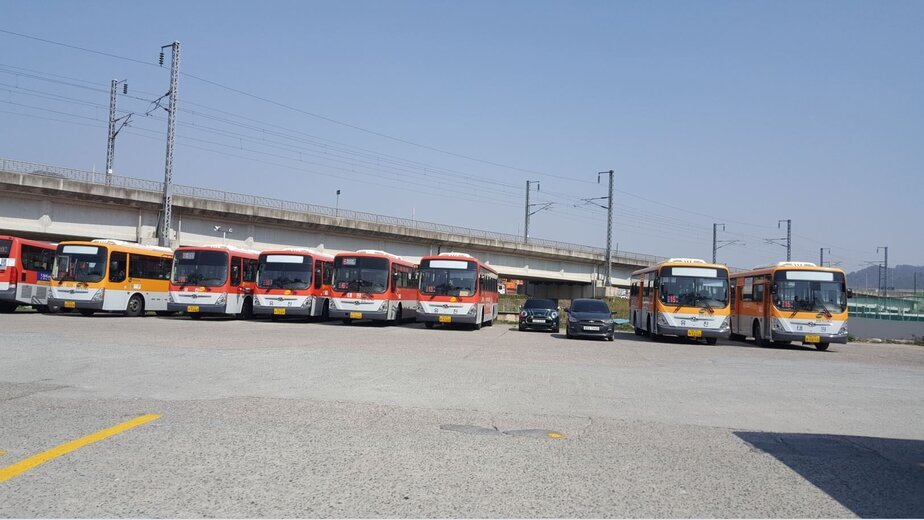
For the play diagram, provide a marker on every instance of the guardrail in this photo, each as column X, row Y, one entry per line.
column 29, row 168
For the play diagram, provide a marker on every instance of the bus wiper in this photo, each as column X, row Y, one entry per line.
column 824, row 306
column 705, row 302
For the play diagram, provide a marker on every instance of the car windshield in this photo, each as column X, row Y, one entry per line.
column 540, row 304
column 595, row 306
column 448, row 282
column 284, row 272
column 196, row 267
column 360, row 274
column 826, row 293
column 79, row 263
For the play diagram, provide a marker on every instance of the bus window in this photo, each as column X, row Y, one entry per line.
column 235, row 270
column 118, row 261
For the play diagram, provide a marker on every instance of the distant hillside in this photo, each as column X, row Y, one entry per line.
column 900, row 277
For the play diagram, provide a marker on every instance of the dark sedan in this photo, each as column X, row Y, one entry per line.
column 591, row 318
column 539, row 313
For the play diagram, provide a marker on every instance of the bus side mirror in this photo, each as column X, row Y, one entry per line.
column 850, row 293
column 773, row 289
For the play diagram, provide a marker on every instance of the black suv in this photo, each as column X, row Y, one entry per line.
column 588, row 317
column 539, row 313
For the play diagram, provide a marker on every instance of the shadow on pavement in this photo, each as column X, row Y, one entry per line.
column 871, row 476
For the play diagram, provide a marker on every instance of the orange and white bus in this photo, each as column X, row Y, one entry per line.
column 111, row 276
column 457, row 288
column 214, row 280
column 790, row 301
column 684, row 297
column 25, row 273
column 373, row 285
column 293, row 282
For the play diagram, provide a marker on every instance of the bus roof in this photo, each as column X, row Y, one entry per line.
column 464, row 256
column 133, row 245
column 28, row 241
column 680, row 262
column 223, row 247
column 376, row 253
column 800, row 266
column 300, row 250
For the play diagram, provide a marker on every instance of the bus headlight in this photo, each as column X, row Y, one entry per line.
column 98, row 296
column 170, row 297
column 724, row 324
column 777, row 325
column 843, row 330
column 662, row 320
column 221, row 299
column 307, row 302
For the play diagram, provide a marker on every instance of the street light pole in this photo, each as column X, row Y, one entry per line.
column 885, row 276
column 337, row 210
column 821, row 252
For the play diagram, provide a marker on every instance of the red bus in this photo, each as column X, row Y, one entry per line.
column 373, row 285
column 293, row 282
column 25, row 273
column 457, row 288
column 214, row 280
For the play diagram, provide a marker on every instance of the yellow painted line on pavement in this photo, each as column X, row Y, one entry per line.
column 37, row 460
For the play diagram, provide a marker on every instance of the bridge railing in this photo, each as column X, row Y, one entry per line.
column 29, row 168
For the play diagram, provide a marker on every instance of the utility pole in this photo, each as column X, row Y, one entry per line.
column 718, row 244
column 885, row 276
column 609, row 231
column 113, row 131
column 171, row 135
column 337, row 211
column 821, row 251
column 542, row 206
column 788, row 238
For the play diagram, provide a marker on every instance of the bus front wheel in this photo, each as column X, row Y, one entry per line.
column 428, row 324
column 822, row 346
column 135, row 306
column 85, row 312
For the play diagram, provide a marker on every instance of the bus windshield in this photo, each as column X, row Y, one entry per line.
column 448, row 281
column 206, row 268
column 79, row 263
column 5, row 247
column 284, row 272
column 810, row 291
column 361, row 274
column 694, row 287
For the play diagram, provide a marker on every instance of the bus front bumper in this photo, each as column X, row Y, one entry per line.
column 8, row 295
column 95, row 305
column 423, row 317
column 270, row 310
column 357, row 315
column 706, row 333
column 220, row 308
column 799, row 337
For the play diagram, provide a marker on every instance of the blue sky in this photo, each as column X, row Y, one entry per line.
column 741, row 113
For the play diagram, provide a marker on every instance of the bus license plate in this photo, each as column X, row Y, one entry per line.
column 445, row 319
column 356, row 315
column 192, row 308
column 279, row 311
column 694, row 333
column 813, row 339
column 70, row 305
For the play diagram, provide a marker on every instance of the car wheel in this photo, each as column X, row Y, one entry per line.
column 521, row 327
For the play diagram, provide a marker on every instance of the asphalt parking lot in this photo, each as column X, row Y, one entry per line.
column 288, row 419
